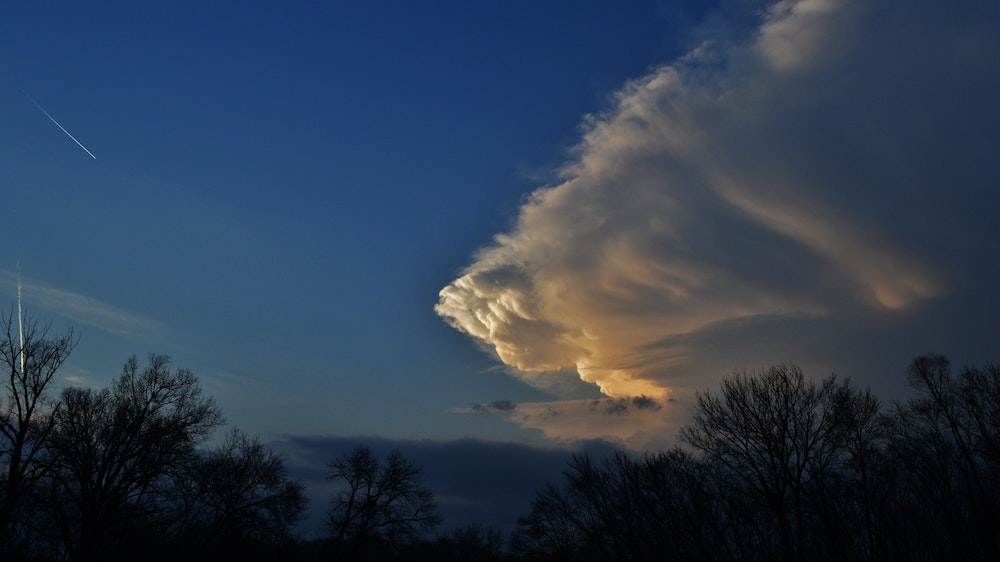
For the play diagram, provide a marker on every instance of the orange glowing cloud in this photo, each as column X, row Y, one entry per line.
column 750, row 181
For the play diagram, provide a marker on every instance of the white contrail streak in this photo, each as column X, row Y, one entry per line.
column 20, row 321
column 61, row 127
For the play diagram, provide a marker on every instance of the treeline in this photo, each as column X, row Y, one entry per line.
column 126, row 473
column 122, row 473
column 772, row 467
column 776, row 467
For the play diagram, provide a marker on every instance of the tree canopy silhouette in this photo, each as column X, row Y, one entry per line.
column 31, row 359
column 779, row 467
column 112, row 449
column 379, row 502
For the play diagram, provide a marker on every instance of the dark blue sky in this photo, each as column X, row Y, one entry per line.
column 617, row 200
column 280, row 192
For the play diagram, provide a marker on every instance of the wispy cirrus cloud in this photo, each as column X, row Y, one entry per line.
column 83, row 310
column 805, row 175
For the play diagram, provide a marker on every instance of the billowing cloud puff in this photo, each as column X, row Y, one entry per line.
column 833, row 165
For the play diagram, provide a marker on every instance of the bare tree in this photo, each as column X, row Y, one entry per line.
column 946, row 444
column 379, row 501
column 785, row 440
column 548, row 532
column 621, row 508
column 237, row 495
column 477, row 543
column 31, row 359
column 112, row 449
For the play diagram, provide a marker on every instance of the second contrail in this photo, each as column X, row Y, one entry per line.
column 61, row 127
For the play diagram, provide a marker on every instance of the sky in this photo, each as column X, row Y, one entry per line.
column 491, row 233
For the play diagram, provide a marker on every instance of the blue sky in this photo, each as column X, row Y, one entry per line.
column 617, row 201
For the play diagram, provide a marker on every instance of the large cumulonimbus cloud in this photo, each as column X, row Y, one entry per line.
column 836, row 162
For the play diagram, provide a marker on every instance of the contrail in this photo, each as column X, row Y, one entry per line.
column 61, row 127
column 20, row 321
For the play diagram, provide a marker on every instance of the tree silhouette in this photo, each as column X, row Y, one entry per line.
column 782, row 468
column 31, row 359
column 112, row 451
column 547, row 532
column 943, row 469
column 234, row 497
column 380, row 502
column 117, row 473
column 477, row 543
column 655, row 507
column 785, row 441
column 778, row 467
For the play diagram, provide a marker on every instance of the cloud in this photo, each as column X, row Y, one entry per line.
column 84, row 310
column 815, row 179
column 495, row 406
column 638, row 423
